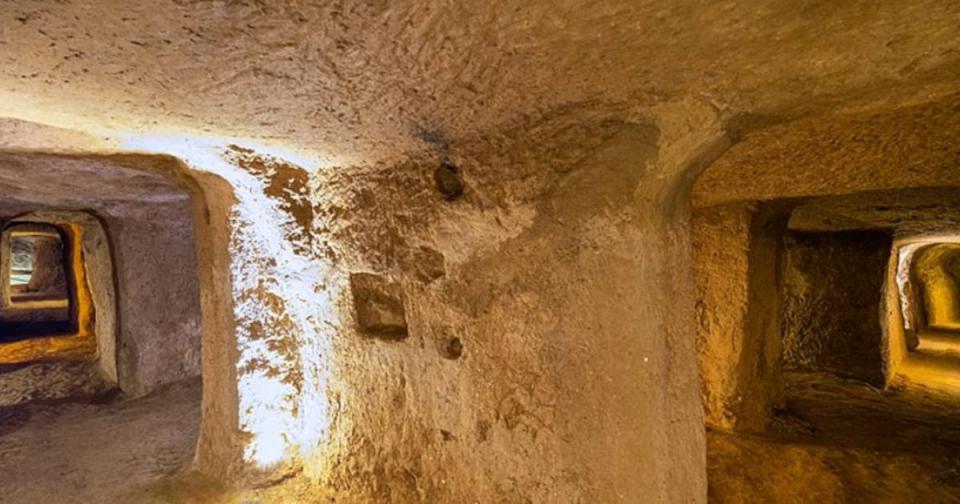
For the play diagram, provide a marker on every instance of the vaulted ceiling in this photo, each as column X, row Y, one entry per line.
column 364, row 81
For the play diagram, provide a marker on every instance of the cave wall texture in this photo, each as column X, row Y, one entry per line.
column 832, row 288
column 550, row 347
column 158, row 302
column 541, row 302
column 737, row 260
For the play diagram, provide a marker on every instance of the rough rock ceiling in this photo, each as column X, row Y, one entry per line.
column 30, row 182
column 363, row 81
column 911, row 146
column 906, row 212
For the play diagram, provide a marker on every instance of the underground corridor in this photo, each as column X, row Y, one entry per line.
column 100, row 324
column 620, row 251
column 37, row 299
column 829, row 349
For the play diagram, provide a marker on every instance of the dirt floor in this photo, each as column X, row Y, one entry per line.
column 843, row 441
column 65, row 438
column 836, row 440
column 96, row 448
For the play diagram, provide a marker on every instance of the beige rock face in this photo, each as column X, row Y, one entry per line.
column 269, row 151
column 541, row 315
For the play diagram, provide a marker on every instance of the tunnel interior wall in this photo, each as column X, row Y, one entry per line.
column 158, row 304
column 832, row 290
column 555, row 289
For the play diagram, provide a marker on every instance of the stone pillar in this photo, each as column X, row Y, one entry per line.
column 220, row 445
column 736, row 264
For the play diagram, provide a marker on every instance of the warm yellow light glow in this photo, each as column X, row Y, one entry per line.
column 935, row 271
column 79, row 345
column 929, row 297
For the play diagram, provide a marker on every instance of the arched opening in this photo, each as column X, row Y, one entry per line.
column 924, row 334
column 117, row 346
column 39, row 285
column 84, row 325
column 827, row 307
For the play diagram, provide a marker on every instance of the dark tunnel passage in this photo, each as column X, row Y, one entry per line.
column 39, row 284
